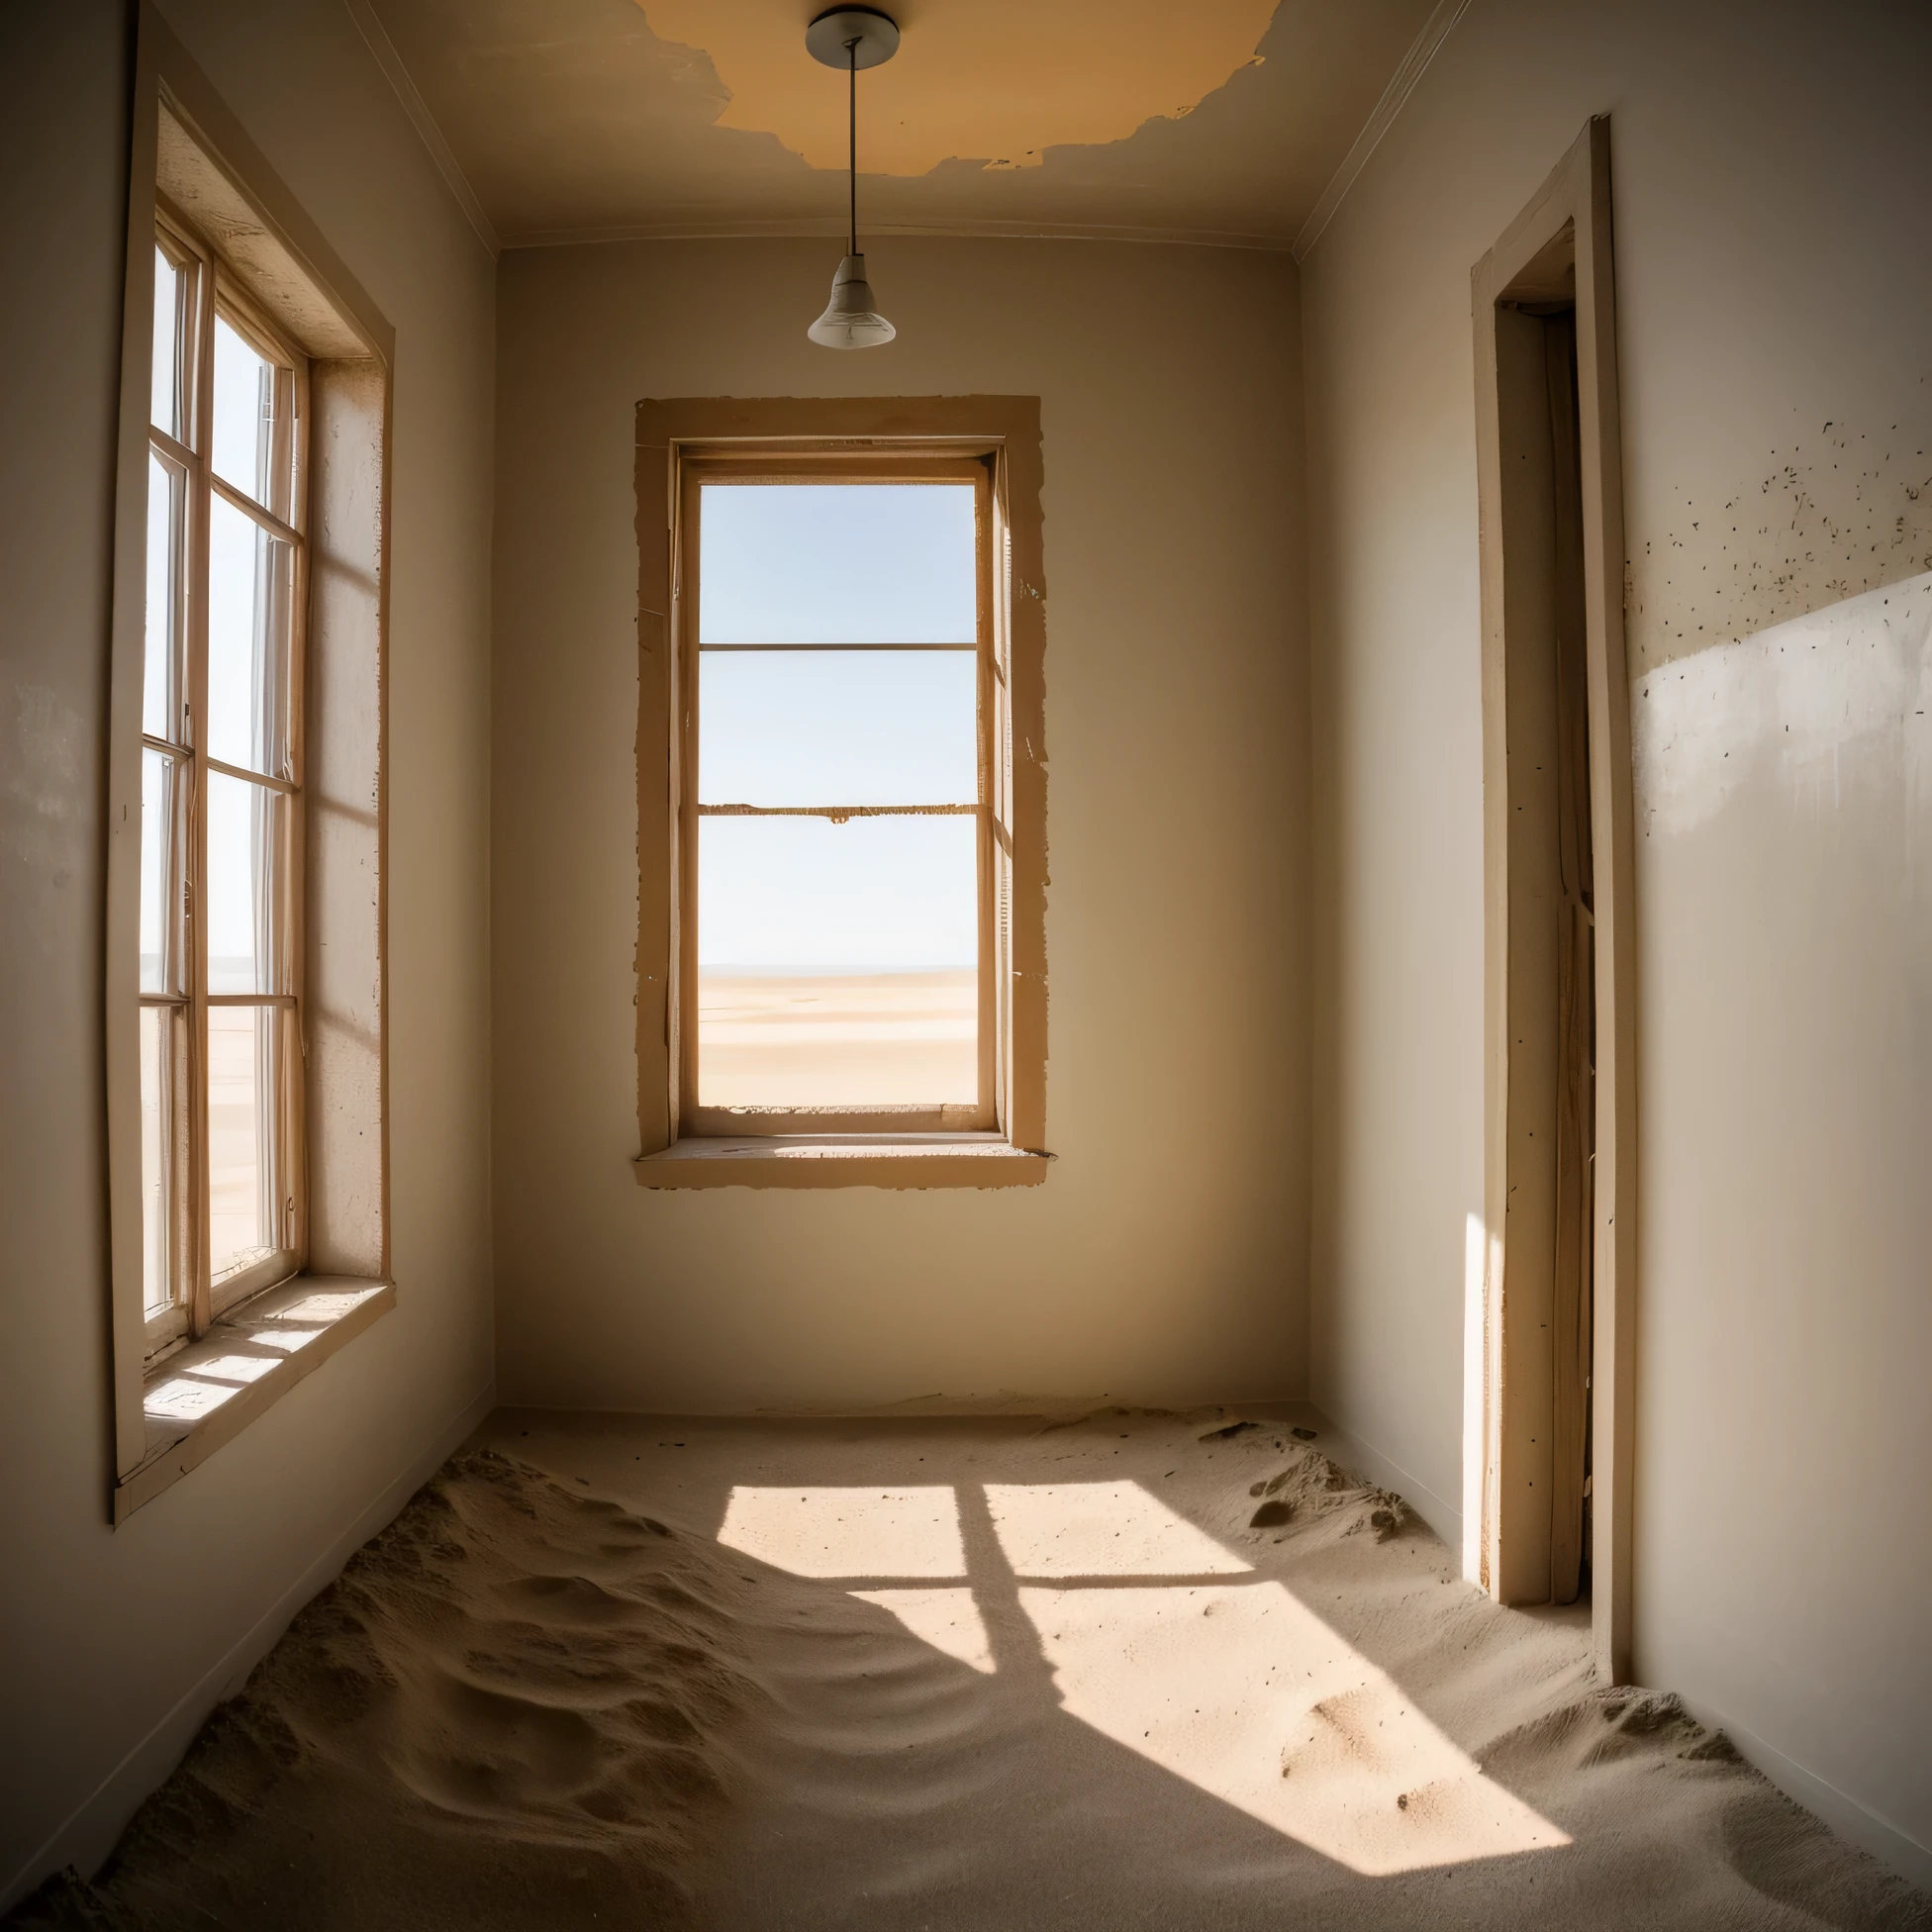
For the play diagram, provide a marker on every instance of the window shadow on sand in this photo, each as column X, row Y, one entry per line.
column 1049, row 1676
column 1133, row 1671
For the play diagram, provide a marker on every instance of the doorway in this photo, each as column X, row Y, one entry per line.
column 1557, row 1289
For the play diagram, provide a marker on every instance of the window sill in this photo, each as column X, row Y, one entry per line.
column 205, row 1393
column 965, row 1160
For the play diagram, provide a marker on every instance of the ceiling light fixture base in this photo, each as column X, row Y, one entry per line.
column 849, row 38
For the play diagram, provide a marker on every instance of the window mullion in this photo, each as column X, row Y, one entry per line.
column 293, row 1099
column 992, row 1032
column 199, row 1297
column 169, row 446
column 268, row 780
column 708, row 649
column 726, row 809
column 265, row 519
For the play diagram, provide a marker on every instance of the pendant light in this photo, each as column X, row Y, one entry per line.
column 852, row 38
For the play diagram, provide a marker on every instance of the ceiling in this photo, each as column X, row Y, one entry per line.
column 1216, row 121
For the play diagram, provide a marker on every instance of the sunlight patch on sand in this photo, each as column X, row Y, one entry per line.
column 1246, row 1694
column 1236, row 1687
column 1099, row 1529
column 947, row 1620
column 848, row 1532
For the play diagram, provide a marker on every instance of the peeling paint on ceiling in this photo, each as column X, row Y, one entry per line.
column 999, row 81
column 594, row 119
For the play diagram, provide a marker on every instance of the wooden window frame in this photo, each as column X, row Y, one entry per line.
column 212, row 293
column 197, row 180
column 993, row 442
column 1567, row 221
column 748, row 467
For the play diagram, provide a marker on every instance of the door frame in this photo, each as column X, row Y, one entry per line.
column 1574, row 203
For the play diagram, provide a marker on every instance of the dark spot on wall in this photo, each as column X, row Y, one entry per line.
column 1828, row 518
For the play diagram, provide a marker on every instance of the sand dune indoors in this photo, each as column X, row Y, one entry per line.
column 994, row 1674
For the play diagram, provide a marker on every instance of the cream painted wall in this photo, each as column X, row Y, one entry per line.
column 113, row 1643
column 1773, row 210
column 1164, row 1258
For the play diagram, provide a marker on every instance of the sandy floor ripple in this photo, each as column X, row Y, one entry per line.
column 1108, row 1671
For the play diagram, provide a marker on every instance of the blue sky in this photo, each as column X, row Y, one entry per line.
column 840, row 563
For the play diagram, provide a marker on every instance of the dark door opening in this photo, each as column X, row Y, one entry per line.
column 1556, row 1395
column 1551, row 944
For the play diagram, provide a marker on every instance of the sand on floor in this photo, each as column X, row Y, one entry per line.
column 1102, row 1670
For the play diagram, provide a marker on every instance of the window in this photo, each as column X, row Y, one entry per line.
column 841, row 793
column 244, row 1032
column 221, row 800
column 838, row 872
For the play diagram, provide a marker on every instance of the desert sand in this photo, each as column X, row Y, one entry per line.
column 1100, row 1670
column 837, row 1040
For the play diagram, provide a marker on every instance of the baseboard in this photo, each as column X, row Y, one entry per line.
column 1850, row 1820
column 1445, row 1518
column 91, row 1830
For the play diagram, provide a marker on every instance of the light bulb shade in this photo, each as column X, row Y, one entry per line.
column 849, row 319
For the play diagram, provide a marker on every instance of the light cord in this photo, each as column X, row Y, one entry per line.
column 852, row 144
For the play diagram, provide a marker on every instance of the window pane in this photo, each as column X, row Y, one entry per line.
column 245, row 414
column 245, row 846
column 160, row 697
column 837, row 727
column 160, row 1141
column 838, row 963
column 244, row 1217
column 166, row 404
column 163, row 952
column 250, row 577
column 838, row 563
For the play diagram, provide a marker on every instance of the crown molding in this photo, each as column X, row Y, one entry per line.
column 364, row 13
column 812, row 228
column 1395, row 97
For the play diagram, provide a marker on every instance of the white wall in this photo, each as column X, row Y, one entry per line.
column 113, row 1643
column 1774, row 210
column 1164, row 1258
